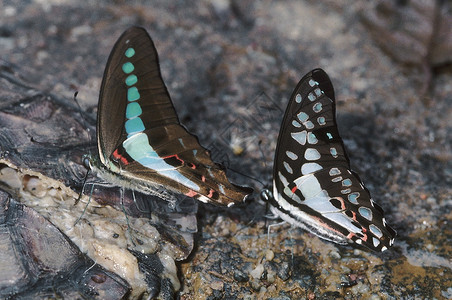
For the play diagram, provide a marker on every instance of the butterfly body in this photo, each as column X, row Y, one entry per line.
column 313, row 186
column 140, row 141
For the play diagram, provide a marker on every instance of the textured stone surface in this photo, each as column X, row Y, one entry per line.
column 230, row 67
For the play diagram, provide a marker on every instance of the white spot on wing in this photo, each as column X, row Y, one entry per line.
column 317, row 107
column 312, row 139
column 302, row 116
column 300, row 137
column 203, row 198
column 309, row 124
column 376, row 242
column 287, row 167
column 346, row 182
column 334, row 171
column 296, row 124
column 353, row 197
column 336, row 179
column 365, row 212
column 308, row 168
column 291, row 155
column 282, row 179
column 311, row 154
column 333, row 152
column 298, row 98
column 309, row 186
column 375, row 230
column 312, row 82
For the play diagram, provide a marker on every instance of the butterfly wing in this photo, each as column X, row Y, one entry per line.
column 139, row 134
column 314, row 187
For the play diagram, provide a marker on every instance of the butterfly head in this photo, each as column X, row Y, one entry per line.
column 266, row 195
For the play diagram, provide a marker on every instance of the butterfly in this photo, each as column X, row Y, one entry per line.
column 313, row 186
column 141, row 143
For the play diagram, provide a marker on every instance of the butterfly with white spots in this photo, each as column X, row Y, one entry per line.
column 313, row 186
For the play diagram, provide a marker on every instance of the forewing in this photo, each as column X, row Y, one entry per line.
column 314, row 187
column 139, row 132
column 140, row 62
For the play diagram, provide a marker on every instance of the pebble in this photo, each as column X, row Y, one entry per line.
column 284, row 271
column 241, row 276
column 269, row 255
column 257, row 272
column 335, row 254
column 217, row 285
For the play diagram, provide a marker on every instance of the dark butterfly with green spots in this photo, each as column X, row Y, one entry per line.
column 141, row 143
column 313, row 186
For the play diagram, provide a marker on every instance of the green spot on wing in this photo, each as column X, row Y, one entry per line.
column 130, row 52
column 128, row 67
column 131, row 80
column 138, row 146
column 134, row 125
column 133, row 94
column 133, row 110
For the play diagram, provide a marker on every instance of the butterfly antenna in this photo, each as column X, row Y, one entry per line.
column 142, row 210
column 247, row 176
column 85, row 125
column 259, row 145
column 80, row 111
column 251, row 177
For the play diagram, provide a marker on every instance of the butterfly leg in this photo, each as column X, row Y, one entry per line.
column 144, row 210
column 83, row 187
column 129, row 228
column 89, row 199
column 269, row 228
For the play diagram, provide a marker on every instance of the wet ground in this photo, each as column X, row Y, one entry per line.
column 230, row 67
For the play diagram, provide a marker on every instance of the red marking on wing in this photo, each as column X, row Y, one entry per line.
column 342, row 202
column 203, row 178
column 365, row 238
column 191, row 194
column 294, row 189
column 118, row 156
column 322, row 223
column 176, row 156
